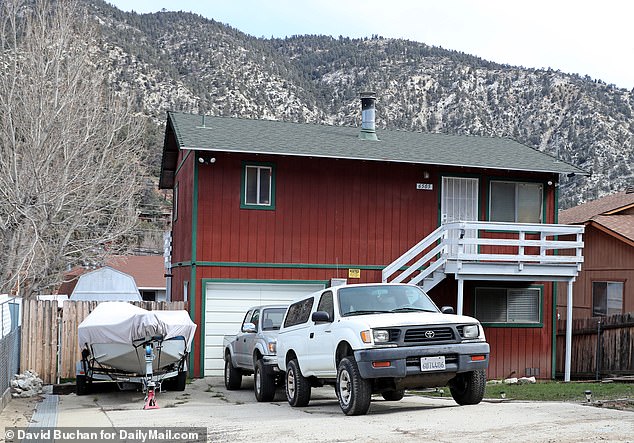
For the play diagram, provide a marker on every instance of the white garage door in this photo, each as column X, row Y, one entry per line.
column 226, row 304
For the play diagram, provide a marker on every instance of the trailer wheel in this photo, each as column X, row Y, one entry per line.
column 81, row 385
column 179, row 382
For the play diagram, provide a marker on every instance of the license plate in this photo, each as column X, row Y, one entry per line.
column 432, row 363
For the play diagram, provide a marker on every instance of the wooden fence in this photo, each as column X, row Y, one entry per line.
column 49, row 335
column 608, row 341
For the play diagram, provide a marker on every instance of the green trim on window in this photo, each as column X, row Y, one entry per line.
column 243, row 181
column 540, row 324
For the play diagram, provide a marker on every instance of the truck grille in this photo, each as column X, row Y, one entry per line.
column 428, row 335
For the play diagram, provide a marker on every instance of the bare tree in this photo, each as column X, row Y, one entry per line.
column 70, row 169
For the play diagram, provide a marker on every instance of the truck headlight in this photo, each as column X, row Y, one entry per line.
column 471, row 331
column 272, row 347
column 380, row 335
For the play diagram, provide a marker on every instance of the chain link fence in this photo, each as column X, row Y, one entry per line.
column 9, row 342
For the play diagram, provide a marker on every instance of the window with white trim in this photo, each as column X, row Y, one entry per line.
column 515, row 202
column 258, row 186
column 508, row 305
column 607, row 298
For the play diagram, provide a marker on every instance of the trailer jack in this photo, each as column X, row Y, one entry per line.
column 150, row 398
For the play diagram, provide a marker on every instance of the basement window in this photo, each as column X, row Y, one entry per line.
column 509, row 306
column 515, row 202
column 258, row 186
column 607, row 298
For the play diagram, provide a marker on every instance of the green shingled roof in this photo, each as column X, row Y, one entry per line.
column 227, row 134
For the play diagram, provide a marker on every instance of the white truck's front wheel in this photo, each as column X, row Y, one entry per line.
column 354, row 392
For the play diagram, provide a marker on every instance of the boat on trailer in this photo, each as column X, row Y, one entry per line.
column 127, row 344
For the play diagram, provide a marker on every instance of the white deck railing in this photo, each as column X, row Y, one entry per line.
column 461, row 242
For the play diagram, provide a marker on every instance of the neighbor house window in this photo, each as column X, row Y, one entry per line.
column 516, row 202
column 607, row 298
column 508, row 305
column 258, row 186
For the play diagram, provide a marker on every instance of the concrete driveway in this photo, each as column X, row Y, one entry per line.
column 233, row 416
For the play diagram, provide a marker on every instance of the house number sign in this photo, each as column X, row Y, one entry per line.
column 425, row 186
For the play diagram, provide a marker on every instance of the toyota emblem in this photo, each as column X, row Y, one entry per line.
column 429, row 334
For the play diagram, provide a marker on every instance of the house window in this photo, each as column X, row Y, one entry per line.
column 258, row 186
column 607, row 298
column 515, row 202
column 175, row 203
column 508, row 305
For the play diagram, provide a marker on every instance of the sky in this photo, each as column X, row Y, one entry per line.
column 586, row 37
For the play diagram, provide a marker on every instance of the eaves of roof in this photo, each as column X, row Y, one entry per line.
column 620, row 227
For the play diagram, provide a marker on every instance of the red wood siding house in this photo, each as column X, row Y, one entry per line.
column 267, row 210
column 605, row 286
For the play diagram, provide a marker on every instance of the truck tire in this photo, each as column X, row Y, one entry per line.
column 467, row 388
column 297, row 386
column 263, row 383
column 396, row 395
column 354, row 391
column 233, row 376
column 81, row 385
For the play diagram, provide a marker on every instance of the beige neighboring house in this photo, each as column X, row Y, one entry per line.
column 605, row 285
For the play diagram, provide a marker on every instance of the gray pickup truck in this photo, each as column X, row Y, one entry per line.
column 253, row 351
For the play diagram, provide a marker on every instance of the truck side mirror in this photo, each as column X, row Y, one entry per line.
column 321, row 316
column 249, row 327
column 447, row 310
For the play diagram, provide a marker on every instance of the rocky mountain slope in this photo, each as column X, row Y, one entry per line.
column 182, row 61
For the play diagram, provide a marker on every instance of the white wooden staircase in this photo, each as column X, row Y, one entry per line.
column 476, row 250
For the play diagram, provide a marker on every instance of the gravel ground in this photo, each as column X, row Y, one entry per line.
column 235, row 416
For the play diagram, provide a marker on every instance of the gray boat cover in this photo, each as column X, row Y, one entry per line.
column 121, row 322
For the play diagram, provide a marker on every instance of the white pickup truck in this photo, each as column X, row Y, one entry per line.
column 379, row 339
column 252, row 351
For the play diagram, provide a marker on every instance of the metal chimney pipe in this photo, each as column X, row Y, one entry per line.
column 368, row 131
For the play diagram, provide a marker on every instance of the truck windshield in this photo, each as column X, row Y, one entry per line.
column 383, row 298
column 272, row 318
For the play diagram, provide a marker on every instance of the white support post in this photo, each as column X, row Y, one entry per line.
column 460, row 296
column 568, row 331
